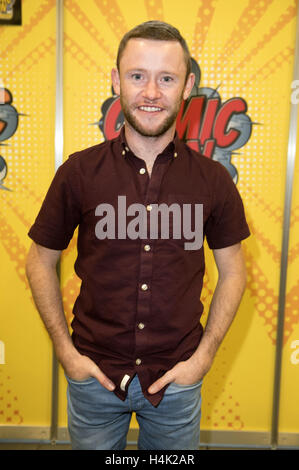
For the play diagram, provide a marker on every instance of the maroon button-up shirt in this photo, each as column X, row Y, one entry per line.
column 139, row 309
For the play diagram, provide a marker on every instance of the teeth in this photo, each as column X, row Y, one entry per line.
column 150, row 109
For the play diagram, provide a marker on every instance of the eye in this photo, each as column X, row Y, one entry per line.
column 167, row 79
column 137, row 76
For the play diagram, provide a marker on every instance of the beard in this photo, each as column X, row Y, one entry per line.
column 144, row 130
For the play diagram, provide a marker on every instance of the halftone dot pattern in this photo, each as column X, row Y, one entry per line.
column 203, row 19
column 9, row 403
column 286, row 16
column 251, row 15
column 283, row 57
column 89, row 57
column 255, row 177
column 14, row 247
column 291, row 311
column 265, row 242
column 113, row 15
column 294, row 252
column 265, row 297
column 295, row 216
column 275, row 213
column 34, row 57
column 222, row 410
column 24, row 74
column 20, row 214
column 154, row 9
column 81, row 55
column 43, row 9
column 90, row 26
column 27, row 70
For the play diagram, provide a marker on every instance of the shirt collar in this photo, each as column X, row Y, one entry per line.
column 171, row 150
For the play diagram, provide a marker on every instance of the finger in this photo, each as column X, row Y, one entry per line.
column 104, row 380
column 160, row 383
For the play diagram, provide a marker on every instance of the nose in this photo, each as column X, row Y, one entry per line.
column 151, row 91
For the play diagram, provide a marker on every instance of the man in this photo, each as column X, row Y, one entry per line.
column 137, row 343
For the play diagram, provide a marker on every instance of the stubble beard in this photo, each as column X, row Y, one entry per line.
column 138, row 127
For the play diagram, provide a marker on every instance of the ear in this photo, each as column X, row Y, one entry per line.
column 189, row 85
column 115, row 81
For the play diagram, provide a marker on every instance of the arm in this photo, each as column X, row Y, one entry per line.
column 225, row 302
column 42, row 276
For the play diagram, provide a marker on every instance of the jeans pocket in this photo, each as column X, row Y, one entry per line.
column 186, row 387
column 86, row 381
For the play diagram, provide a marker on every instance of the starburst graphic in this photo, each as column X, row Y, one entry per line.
column 244, row 50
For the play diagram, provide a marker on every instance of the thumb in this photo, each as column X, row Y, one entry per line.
column 103, row 379
column 160, row 383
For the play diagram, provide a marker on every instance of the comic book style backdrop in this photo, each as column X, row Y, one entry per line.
column 238, row 114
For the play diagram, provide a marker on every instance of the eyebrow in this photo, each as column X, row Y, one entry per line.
column 163, row 72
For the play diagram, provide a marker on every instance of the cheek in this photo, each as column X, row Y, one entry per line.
column 128, row 92
column 176, row 98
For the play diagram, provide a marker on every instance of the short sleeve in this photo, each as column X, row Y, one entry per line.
column 60, row 212
column 227, row 223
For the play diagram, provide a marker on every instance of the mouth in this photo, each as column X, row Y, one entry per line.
column 150, row 109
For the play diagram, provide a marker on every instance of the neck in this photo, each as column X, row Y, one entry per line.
column 147, row 148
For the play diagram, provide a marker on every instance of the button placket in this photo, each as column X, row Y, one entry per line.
column 146, row 266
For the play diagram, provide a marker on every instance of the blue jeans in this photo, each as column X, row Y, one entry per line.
column 99, row 420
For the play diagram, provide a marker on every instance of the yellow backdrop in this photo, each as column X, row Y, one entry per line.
column 289, row 409
column 246, row 47
column 28, row 72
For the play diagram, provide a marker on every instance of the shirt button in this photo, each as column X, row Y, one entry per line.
column 142, row 171
column 144, row 287
column 146, row 248
column 138, row 362
column 141, row 326
column 149, row 207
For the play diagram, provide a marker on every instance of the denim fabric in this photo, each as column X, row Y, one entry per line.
column 99, row 420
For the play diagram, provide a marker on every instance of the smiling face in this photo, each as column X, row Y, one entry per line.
column 151, row 82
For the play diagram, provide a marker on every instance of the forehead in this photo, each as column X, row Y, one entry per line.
column 153, row 54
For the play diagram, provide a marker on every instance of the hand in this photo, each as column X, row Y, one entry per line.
column 80, row 367
column 183, row 373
